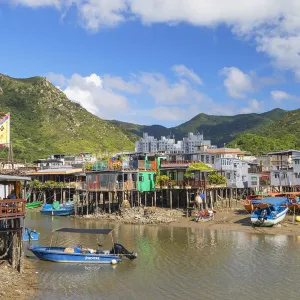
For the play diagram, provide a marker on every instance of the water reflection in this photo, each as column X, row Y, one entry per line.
column 173, row 263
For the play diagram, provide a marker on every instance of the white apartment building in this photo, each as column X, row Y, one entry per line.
column 147, row 144
column 189, row 144
column 192, row 142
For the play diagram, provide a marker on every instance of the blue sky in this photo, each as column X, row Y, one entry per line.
column 158, row 62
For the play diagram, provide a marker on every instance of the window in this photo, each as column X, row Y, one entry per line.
column 235, row 165
column 228, row 175
column 297, row 175
column 172, row 175
column 202, row 158
column 207, row 159
column 141, row 177
column 276, row 175
column 234, row 174
column 212, row 159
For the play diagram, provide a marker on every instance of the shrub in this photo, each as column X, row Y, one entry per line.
column 216, row 178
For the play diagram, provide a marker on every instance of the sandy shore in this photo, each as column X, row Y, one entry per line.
column 15, row 285
column 239, row 220
column 236, row 219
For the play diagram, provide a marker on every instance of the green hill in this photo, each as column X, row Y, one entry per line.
column 44, row 121
column 282, row 134
column 218, row 129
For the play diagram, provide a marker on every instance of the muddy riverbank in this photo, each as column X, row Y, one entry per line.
column 236, row 219
column 15, row 285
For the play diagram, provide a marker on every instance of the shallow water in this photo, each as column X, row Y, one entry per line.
column 173, row 263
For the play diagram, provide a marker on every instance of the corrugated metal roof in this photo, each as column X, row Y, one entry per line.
column 58, row 171
column 283, row 151
column 13, row 178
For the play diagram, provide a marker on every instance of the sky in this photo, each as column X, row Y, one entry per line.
column 158, row 61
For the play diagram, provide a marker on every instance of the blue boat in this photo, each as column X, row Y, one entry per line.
column 80, row 254
column 272, row 210
column 30, row 235
column 57, row 209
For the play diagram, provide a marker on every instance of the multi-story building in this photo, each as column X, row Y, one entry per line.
column 284, row 168
column 282, row 159
column 192, row 142
column 147, row 144
column 235, row 171
column 189, row 144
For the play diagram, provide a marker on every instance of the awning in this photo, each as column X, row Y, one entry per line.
column 8, row 178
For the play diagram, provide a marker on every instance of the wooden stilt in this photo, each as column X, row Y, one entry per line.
column 109, row 202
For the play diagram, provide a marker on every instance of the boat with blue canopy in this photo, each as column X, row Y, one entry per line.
column 57, row 209
column 271, row 211
column 80, row 254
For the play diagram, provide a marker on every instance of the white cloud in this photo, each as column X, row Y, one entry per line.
column 273, row 24
column 156, row 98
column 183, row 71
column 254, row 106
column 98, row 13
column 118, row 83
column 278, row 96
column 57, row 79
column 165, row 92
column 90, row 93
column 237, row 83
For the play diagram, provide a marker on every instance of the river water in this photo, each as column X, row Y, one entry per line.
column 173, row 263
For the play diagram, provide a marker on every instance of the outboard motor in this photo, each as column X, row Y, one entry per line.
column 262, row 216
column 121, row 250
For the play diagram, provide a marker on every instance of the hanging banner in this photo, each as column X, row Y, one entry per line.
column 4, row 129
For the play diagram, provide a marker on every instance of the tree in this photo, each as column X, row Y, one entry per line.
column 215, row 178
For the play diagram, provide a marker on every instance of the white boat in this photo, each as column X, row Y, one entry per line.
column 274, row 212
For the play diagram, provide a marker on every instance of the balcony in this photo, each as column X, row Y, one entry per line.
column 119, row 165
column 10, row 208
column 182, row 184
column 119, row 186
column 174, row 164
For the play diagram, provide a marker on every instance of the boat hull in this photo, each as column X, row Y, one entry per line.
column 269, row 221
column 53, row 212
column 57, row 254
column 33, row 204
column 31, row 235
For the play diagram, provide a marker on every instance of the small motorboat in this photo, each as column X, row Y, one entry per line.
column 254, row 201
column 30, row 235
column 204, row 215
column 273, row 212
column 56, row 209
column 79, row 254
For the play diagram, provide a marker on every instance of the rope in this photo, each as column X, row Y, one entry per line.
column 2, row 256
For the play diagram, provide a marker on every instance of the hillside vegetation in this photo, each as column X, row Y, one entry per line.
column 218, row 129
column 44, row 121
column 282, row 134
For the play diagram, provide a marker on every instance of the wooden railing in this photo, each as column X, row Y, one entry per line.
column 12, row 208
column 178, row 162
column 191, row 183
column 119, row 186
